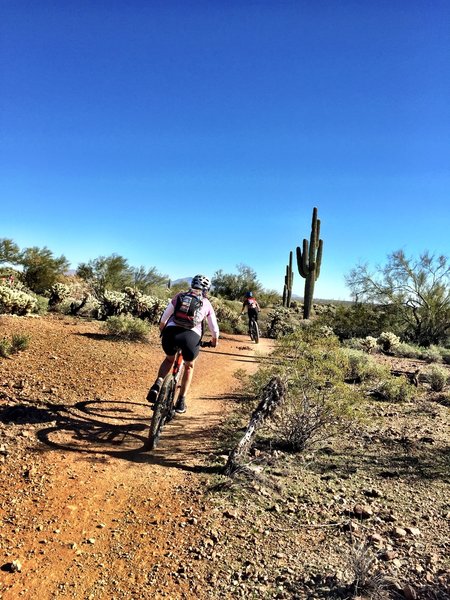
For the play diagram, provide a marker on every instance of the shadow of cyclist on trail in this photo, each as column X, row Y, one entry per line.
column 114, row 428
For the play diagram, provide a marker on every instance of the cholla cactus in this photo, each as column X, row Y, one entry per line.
column 326, row 331
column 16, row 302
column 368, row 344
column 58, row 293
column 112, row 304
column 388, row 341
column 143, row 306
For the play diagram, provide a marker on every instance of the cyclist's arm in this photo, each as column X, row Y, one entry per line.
column 213, row 326
column 170, row 309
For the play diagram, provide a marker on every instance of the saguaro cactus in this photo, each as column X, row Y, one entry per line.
column 309, row 260
column 288, row 281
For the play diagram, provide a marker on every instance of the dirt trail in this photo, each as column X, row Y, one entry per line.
column 86, row 512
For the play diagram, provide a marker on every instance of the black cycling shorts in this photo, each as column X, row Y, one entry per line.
column 252, row 314
column 174, row 338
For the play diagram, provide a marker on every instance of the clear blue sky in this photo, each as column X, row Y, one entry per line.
column 196, row 135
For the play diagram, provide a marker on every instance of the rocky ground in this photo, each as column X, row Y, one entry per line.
column 86, row 512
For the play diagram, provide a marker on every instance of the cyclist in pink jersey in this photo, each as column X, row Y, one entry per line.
column 181, row 327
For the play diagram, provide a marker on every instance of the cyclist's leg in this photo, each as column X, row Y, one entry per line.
column 189, row 342
column 169, row 347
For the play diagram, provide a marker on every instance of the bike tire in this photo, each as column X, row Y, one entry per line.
column 161, row 410
column 255, row 332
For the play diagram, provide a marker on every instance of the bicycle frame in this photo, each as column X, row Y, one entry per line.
column 164, row 407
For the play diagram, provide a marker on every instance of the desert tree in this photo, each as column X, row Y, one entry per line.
column 106, row 273
column 233, row 286
column 417, row 288
column 9, row 252
column 41, row 269
column 146, row 279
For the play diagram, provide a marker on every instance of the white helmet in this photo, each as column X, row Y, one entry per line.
column 200, row 282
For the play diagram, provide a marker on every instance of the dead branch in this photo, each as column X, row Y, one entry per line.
column 271, row 397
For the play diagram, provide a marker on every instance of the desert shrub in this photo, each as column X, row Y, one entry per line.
column 432, row 354
column 19, row 342
column 227, row 313
column 358, row 320
column 360, row 367
column 445, row 353
column 16, row 302
column 368, row 581
column 280, row 322
column 388, row 341
column 303, row 421
column 437, row 378
column 5, row 348
column 394, row 389
column 126, row 327
column 406, row 350
column 317, row 398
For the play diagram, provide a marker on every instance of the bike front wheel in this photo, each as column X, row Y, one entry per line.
column 162, row 410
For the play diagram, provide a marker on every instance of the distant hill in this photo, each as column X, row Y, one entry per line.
column 181, row 280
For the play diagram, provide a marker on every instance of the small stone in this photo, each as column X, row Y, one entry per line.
column 362, row 511
column 414, row 531
column 388, row 555
column 409, row 592
column 91, row 540
column 230, row 514
column 376, row 539
column 16, row 566
column 399, row 532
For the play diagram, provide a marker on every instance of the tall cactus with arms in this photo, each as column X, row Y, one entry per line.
column 309, row 260
column 288, row 281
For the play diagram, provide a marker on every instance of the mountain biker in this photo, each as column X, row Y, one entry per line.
column 181, row 326
column 252, row 306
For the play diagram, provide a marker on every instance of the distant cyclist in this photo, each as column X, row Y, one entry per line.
column 250, row 303
column 182, row 328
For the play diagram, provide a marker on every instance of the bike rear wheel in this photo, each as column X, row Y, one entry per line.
column 162, row 410
column 254, row 331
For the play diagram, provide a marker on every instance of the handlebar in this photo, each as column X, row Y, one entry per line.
column 206, row 345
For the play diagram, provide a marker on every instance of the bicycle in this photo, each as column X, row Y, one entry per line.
column 254, row 330
column 164, row 407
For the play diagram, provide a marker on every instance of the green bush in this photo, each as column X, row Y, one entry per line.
column 317, row 399
column 361, row 367
column 5, row 348
column 432, row 355
column 394, row 389
column 358, row 320
column 445, row 353
column 437, row 378
column 17, row 343
column 127, row 328
column 281, row 321
column 227, row 313
column 409, row 351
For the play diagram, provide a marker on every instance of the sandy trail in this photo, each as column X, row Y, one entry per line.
column 98, row 517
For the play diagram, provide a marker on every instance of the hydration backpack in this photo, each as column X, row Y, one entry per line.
column 251, row 303
column 187, row 312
